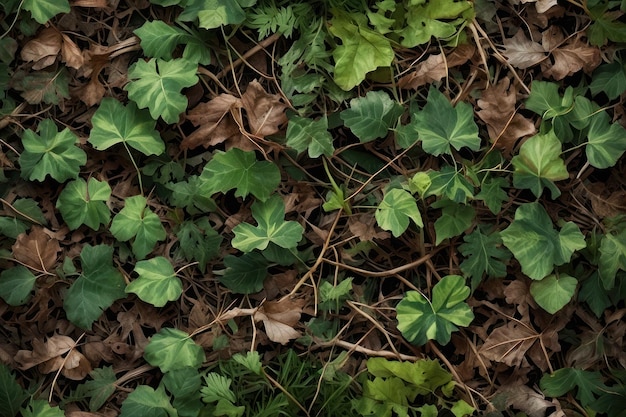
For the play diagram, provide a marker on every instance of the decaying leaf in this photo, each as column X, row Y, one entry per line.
column 522, row 52
column 531, row 402
column 436, row 67
column 216, row 121
column 570, row 58
column 265, row 112
column 45, row 48
column 509, row 343
column 51, row 356
column 36, row 249
column 279, row 319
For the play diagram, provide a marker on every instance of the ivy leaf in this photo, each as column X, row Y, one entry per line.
column 97, row 287
column 185, row 384
column 156, row 84
column 198, row 241
column 455, row 219
column 12, row 395
column 44, row 10
column 609, row 79
column 606, row 141
column 370, row 117
column 552, row 293
column 536, row 244
column 605, row 25
column 395, row 210
column 612, row 258
column 115, row 123
column 362, row 50
column 83, row 202
column 564, row 380
column 493, row 194
column 304, row 133
column 442, row 127
column 51, row 153
column 99, row 388
column 158, row 39
column 483, row 255
column 421, row 320
column 272, row 227
column 245, row 274
column 450, row 183
column 539, row 164
column 215, row 13
column 41, row 408
column 238, row 169
column 145, row 401
column 172, row 349
column 136, row 221
column 333, row 296
column 425, row 374
column 191, row 195
column 16, row 285
column 157, row 283
column 545, row 100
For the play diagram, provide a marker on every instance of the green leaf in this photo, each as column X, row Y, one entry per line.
column 370, row 117
column 157, row 283
column 545, row 100
column 12, row 395
column 145, row 401
column 536, row 244
column 605, row 26
column 215, row 13
column 51, row 153
column 333, row 296
column 304, row 133
column 136, row 221
column 609, row 79
column 158, row 39
column 396, row 209
column 237, row 169
column 198, row 241
column 483, row 254
column 392, row 394
column 192, row 196
column 16, row 285
column 450, row 183
column 156, row 84
column 217, row 387
column 362, row 50
column 606, row 141
column 44, row 10
column 251, row 361
column 172, row 349
column 539, row 164
column 552, row 293
column 12, row 227
column 493, row 194
column 272, row 227
column 455, row 219
column 425, row 375
column 421, row 320
column 41, row 408
column 28, row 209
column 442, row 127
column 99, row 388
column 83, row 202
column 97, row 287
column 115, row 123
column 612, row 257
column 185, row 385
column 245, row 274
column 564, row 380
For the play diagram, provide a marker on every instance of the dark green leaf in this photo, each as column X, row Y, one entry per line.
column 455, row 219
column 11, row 394
column 566, row 379
column 16, row 285
column 145, row 401
column 245, row 274
column 199, row 242
column 370, row 117
column 484, row 255
column 83, row 202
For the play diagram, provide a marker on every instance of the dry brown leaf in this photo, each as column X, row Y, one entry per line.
column 436, row 67
column 265, row 112
column 279, row 317
column 531, row 402
column 542, row 6
column 504, row 125
column 572, row 58
column 44, row 49
column 508, row 344
column 364, row 227
column 71, row 53
column 216, row 121
column 49, row 357
column 522, row 52
column 36, row 249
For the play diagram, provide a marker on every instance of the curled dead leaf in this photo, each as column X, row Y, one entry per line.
column 279, row 319
column 522, row 52
column 49, row 356
column 44, row 49
column 265, row 112
column 37, row 249
column 436, row 67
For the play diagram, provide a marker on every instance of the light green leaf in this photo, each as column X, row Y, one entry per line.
column 41, row 408
column 442, row 127
column 97, row 287
column 333, row 296
column 137, row 221
column 16, row 285
column 245, row 274
column 483, row 254
column 198, row 241
column 145, row 401
column 455, row 219
column 393, row 395
column 237, row 169
column 172, row 349
column 425, row 374
column 115, row 123
column 612, row 257
column 12, row 395
column 12, row 227
column 215, row 13
column 272, row 227
column 28, row 209
column 156, row 84
column 450, row 183
column 552, row 293
column 51, row 153
column 493, row 194
column 396, row 209
column 157, row 283
column 539, row 164
column 99, row 388
column 545, row 100
column 606, row 141
column 251, row 361
column 370, row 117
column 217, row 387
column 461, row 408
column 83, row 202
column 362, row 50
column 609, row 79
column 44, row 10
column 421, row 320
column 536, row 244
column 564, row 380
column 158, row 39
column 304, row 133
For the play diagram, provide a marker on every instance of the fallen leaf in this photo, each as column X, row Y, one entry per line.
column 279, row 317
column 44, row 49
column 531, row 402
column 436, row 67
column 522, row 52
column 71, row 53
column 49, row 357
column 36, row 249
column 265, row 112
column 508, row 344
column 572, row 58
column 92, row 92
column 542, row 6
column 216, row 122
column 364, row 227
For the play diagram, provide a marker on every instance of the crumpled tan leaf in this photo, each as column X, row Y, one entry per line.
column 51, row 356
column 37, row 249
column 522, row 52
column 436, row 67
column 279, row 319
column 44, row 49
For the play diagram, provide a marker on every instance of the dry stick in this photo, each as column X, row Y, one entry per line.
column 212, row 76
column 382, row 274
column 375, row 323
column 287, row 393
column 56, row 376
column 454, row 373
column 261, row 45
column 369, row 352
